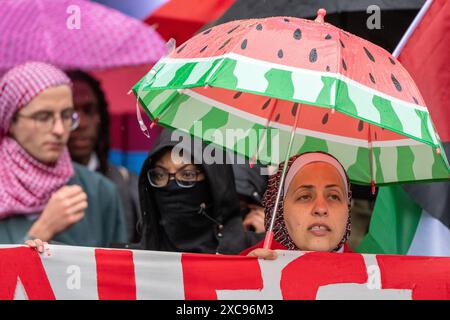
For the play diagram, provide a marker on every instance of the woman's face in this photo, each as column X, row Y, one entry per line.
column 315, row 208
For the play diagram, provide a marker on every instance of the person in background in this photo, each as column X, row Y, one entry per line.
column 89, row 145
column 43, row 194
column 187, row 204
column 250, row 187
column 314, row 211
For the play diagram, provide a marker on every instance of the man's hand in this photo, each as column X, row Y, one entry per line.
column 65, row 207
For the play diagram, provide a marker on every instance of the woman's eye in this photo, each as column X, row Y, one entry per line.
column 188, row 175
column 335, row 197
column 304, row 197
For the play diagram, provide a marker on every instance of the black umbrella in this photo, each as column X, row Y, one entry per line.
column 350, row 15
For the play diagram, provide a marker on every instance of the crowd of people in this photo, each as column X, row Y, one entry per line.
column 58, row 186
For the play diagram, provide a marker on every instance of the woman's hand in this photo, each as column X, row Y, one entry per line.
column 37, row 244
column 266, row 254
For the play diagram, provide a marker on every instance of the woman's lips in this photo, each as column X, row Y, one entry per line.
column 319, row 229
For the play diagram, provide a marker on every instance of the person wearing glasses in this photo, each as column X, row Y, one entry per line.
column 43, row 194
column 187, row 204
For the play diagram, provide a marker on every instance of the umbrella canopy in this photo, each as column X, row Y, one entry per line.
column 328, row 89
column 74, row 34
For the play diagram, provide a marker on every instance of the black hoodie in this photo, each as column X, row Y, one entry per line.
column 226, row 236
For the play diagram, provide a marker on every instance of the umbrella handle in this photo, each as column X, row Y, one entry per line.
column 269, row 233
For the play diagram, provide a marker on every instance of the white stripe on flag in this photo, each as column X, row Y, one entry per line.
column 432, row 238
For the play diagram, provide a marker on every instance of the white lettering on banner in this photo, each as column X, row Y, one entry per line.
column 271, row 274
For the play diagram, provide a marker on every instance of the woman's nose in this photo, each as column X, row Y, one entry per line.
column 320, row 207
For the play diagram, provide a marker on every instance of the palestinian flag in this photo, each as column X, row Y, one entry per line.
column 411, row 219
column 415, row 219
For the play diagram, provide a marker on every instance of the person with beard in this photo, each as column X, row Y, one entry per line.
column 188, row 205
column 43, row 194
column 89, row 145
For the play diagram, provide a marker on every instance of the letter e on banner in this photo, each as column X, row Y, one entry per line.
column 427, row 277
column 23, row 263
column 204, row 274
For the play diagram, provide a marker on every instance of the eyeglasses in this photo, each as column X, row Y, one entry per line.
column 45, row 120
column 185, row 178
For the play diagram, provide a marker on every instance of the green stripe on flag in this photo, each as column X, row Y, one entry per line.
column 393, row 224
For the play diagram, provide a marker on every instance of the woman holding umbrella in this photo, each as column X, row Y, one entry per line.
column 314, row 212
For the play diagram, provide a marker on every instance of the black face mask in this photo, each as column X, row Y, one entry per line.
column 179, row 208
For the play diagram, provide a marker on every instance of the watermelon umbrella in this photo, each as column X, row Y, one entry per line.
column 317, row 87
column 74, row 34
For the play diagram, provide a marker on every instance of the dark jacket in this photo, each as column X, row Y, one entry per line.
column 250, row 183
column 231, row 238
column 127, row 186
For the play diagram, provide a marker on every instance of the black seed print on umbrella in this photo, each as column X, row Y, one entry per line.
column 286, row 20
column 294, row 109
column 391, row 60
column 207, row 31
column 277, row 117
column 328, row 68
column 415, row 100
column 297, row 34
column 372, row 78
column 360, row 125
column 266, row 104
column 325, row 118
column 313, row 55
column 342, row 44
column 259, row 26
column 204, row 48
column 181, row 49
column 237, row 94
column 328, row 37
column 224, row 44
column 344, row 65
column 244, row 44
column 233, row 29
column 396, row 83
column 369, row 54
column 280, row 53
